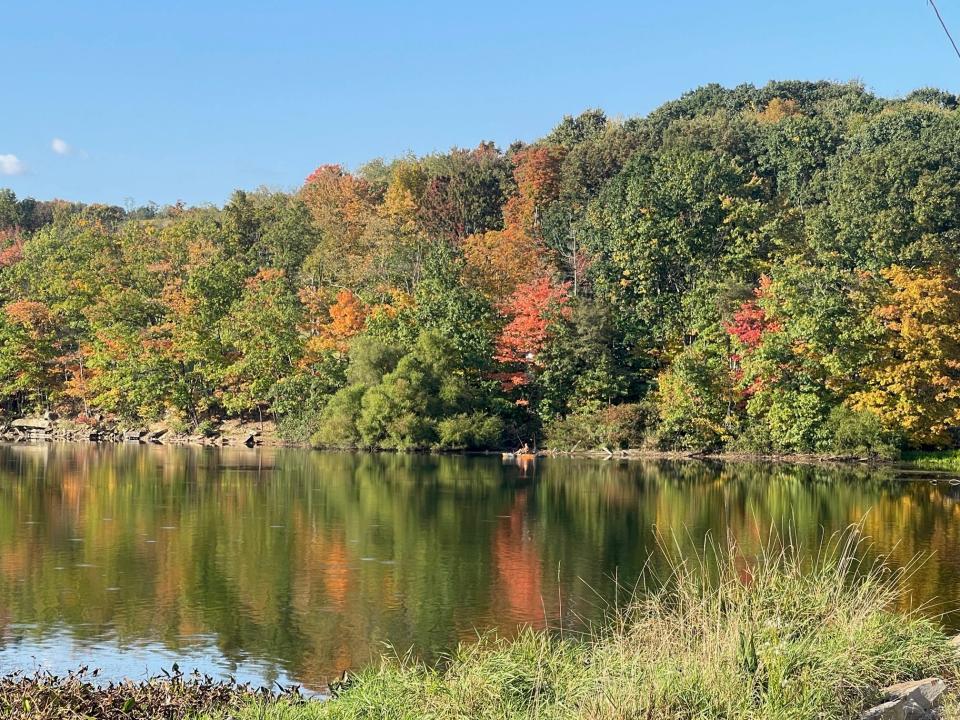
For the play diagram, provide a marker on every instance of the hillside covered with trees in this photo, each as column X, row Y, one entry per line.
column 756, row 269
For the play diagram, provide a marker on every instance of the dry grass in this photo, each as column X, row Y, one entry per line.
column 80, row 695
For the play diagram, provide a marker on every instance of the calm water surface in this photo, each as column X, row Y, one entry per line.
column 291, row 566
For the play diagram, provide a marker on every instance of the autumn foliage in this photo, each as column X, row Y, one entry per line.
column 338, row 201
column 751, row 321
column 913, row 384
column 500, row 261
column 537, row 175
column 347, row 315
column 11, row 247
column 587, row 287
column 529, row 312
column 34, row 316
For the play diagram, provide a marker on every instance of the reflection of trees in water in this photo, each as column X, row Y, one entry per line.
column 519, row 567
column 313, row 559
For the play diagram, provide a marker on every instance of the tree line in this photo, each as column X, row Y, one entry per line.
column 758, row 269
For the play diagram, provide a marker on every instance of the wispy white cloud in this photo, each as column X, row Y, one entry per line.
column 62, row 147
column 11, row 165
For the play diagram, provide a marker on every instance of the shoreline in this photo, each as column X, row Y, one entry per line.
column 233, row 432
column 237, row 433
column 797, row 458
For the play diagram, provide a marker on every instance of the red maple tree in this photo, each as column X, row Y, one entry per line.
column 751, row 322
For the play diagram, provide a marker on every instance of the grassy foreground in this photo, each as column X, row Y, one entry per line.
column 793, row 634
column 789, row 637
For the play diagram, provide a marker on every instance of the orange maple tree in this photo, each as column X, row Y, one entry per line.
column 348, row 315
column 530, row 310
column 537, row 174
column 499, row 261
column 11, row 247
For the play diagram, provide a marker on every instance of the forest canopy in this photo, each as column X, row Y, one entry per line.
column 764, row 269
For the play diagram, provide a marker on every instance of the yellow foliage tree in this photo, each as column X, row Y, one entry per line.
column 408, row 181
column 343, row 208
column 778, row 109
column 498, row 261
column 913, row 385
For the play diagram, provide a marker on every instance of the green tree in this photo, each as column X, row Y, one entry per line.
column 262, row 342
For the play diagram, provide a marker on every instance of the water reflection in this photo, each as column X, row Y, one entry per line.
column 292, row 565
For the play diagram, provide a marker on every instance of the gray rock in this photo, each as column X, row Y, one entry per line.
column 926, row 693
column 27, row 424
column 903, row 708
column 884, row 711
column 911, row 700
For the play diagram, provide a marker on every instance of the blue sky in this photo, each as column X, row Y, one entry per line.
column 166, row 100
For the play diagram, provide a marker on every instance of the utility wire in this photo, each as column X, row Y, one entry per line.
column 944, row 26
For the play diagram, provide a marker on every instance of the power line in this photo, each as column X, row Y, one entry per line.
column 944, row 26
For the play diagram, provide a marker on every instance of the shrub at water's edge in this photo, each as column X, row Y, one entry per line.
column 785, row 637
column 934, row 459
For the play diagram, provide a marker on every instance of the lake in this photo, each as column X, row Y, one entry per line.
column 277, row 565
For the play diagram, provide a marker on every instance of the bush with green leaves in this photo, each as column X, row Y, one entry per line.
column 693, row 400
column 425, row 399
column 857, row 432
column 615, row 427
column 470, row 431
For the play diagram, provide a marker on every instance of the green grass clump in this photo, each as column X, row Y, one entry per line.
column 785, row 636
column 934, row 459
